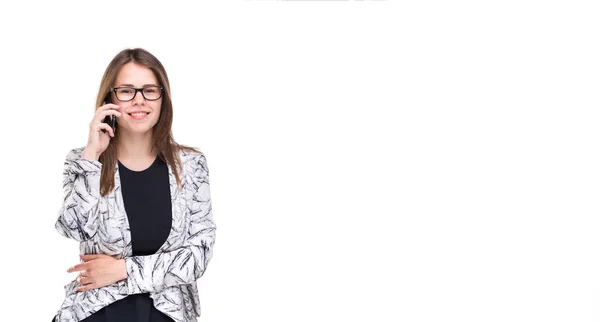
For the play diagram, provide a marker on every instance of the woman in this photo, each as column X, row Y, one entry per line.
column 138, row 203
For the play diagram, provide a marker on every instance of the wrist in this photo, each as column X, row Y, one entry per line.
column 123, row 268
column 89, row 155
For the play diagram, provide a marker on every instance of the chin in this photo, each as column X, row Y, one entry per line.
column 138, row 130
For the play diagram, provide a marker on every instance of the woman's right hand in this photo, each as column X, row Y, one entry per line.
column 98, row 140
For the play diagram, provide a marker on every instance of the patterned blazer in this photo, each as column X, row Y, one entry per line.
column 101, row 226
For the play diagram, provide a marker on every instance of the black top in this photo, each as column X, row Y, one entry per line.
column 147, row 199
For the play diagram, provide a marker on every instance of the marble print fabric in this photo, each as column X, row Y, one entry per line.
column 100, row 226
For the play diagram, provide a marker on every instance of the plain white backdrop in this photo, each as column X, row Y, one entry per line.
column 370, row 160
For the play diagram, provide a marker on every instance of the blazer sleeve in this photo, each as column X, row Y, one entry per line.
column 78, row 216
column 152, row 273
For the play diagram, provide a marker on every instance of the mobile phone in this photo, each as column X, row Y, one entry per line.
column 110, row 120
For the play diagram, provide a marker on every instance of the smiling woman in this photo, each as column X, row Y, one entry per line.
column 139, row 204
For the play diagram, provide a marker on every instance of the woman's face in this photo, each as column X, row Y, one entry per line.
column 133, row 75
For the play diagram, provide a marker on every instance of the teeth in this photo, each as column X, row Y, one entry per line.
column 138, row 114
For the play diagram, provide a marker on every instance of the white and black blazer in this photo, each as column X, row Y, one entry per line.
column 101, row 226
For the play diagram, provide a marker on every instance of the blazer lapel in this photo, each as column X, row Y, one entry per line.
column 121, row 216
column 178, row 207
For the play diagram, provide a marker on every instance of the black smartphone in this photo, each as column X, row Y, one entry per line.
column 110, row 120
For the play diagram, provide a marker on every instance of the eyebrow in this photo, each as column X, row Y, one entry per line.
column 131, row 85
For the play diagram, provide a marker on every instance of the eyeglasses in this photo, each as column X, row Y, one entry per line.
column 124, row 94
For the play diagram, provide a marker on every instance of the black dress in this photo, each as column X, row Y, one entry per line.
column 147, row 199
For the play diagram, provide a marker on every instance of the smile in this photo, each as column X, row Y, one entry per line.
column 139, row 116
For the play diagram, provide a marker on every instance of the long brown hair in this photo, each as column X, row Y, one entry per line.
column 162, row 138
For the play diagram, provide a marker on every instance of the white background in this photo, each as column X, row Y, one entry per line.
column 370, row 160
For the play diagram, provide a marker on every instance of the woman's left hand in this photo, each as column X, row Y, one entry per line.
column 99, row 270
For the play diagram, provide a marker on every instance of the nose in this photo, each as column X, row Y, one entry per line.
column 138, row 98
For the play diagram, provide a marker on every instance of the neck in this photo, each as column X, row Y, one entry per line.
column 135, row 145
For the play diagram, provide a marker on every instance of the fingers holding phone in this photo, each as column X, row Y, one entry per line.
column 102, row 127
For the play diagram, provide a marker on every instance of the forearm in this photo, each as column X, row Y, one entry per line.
column 152, row 273
column 87, row 154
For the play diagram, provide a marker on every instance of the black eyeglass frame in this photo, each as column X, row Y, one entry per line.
column 114, row 90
